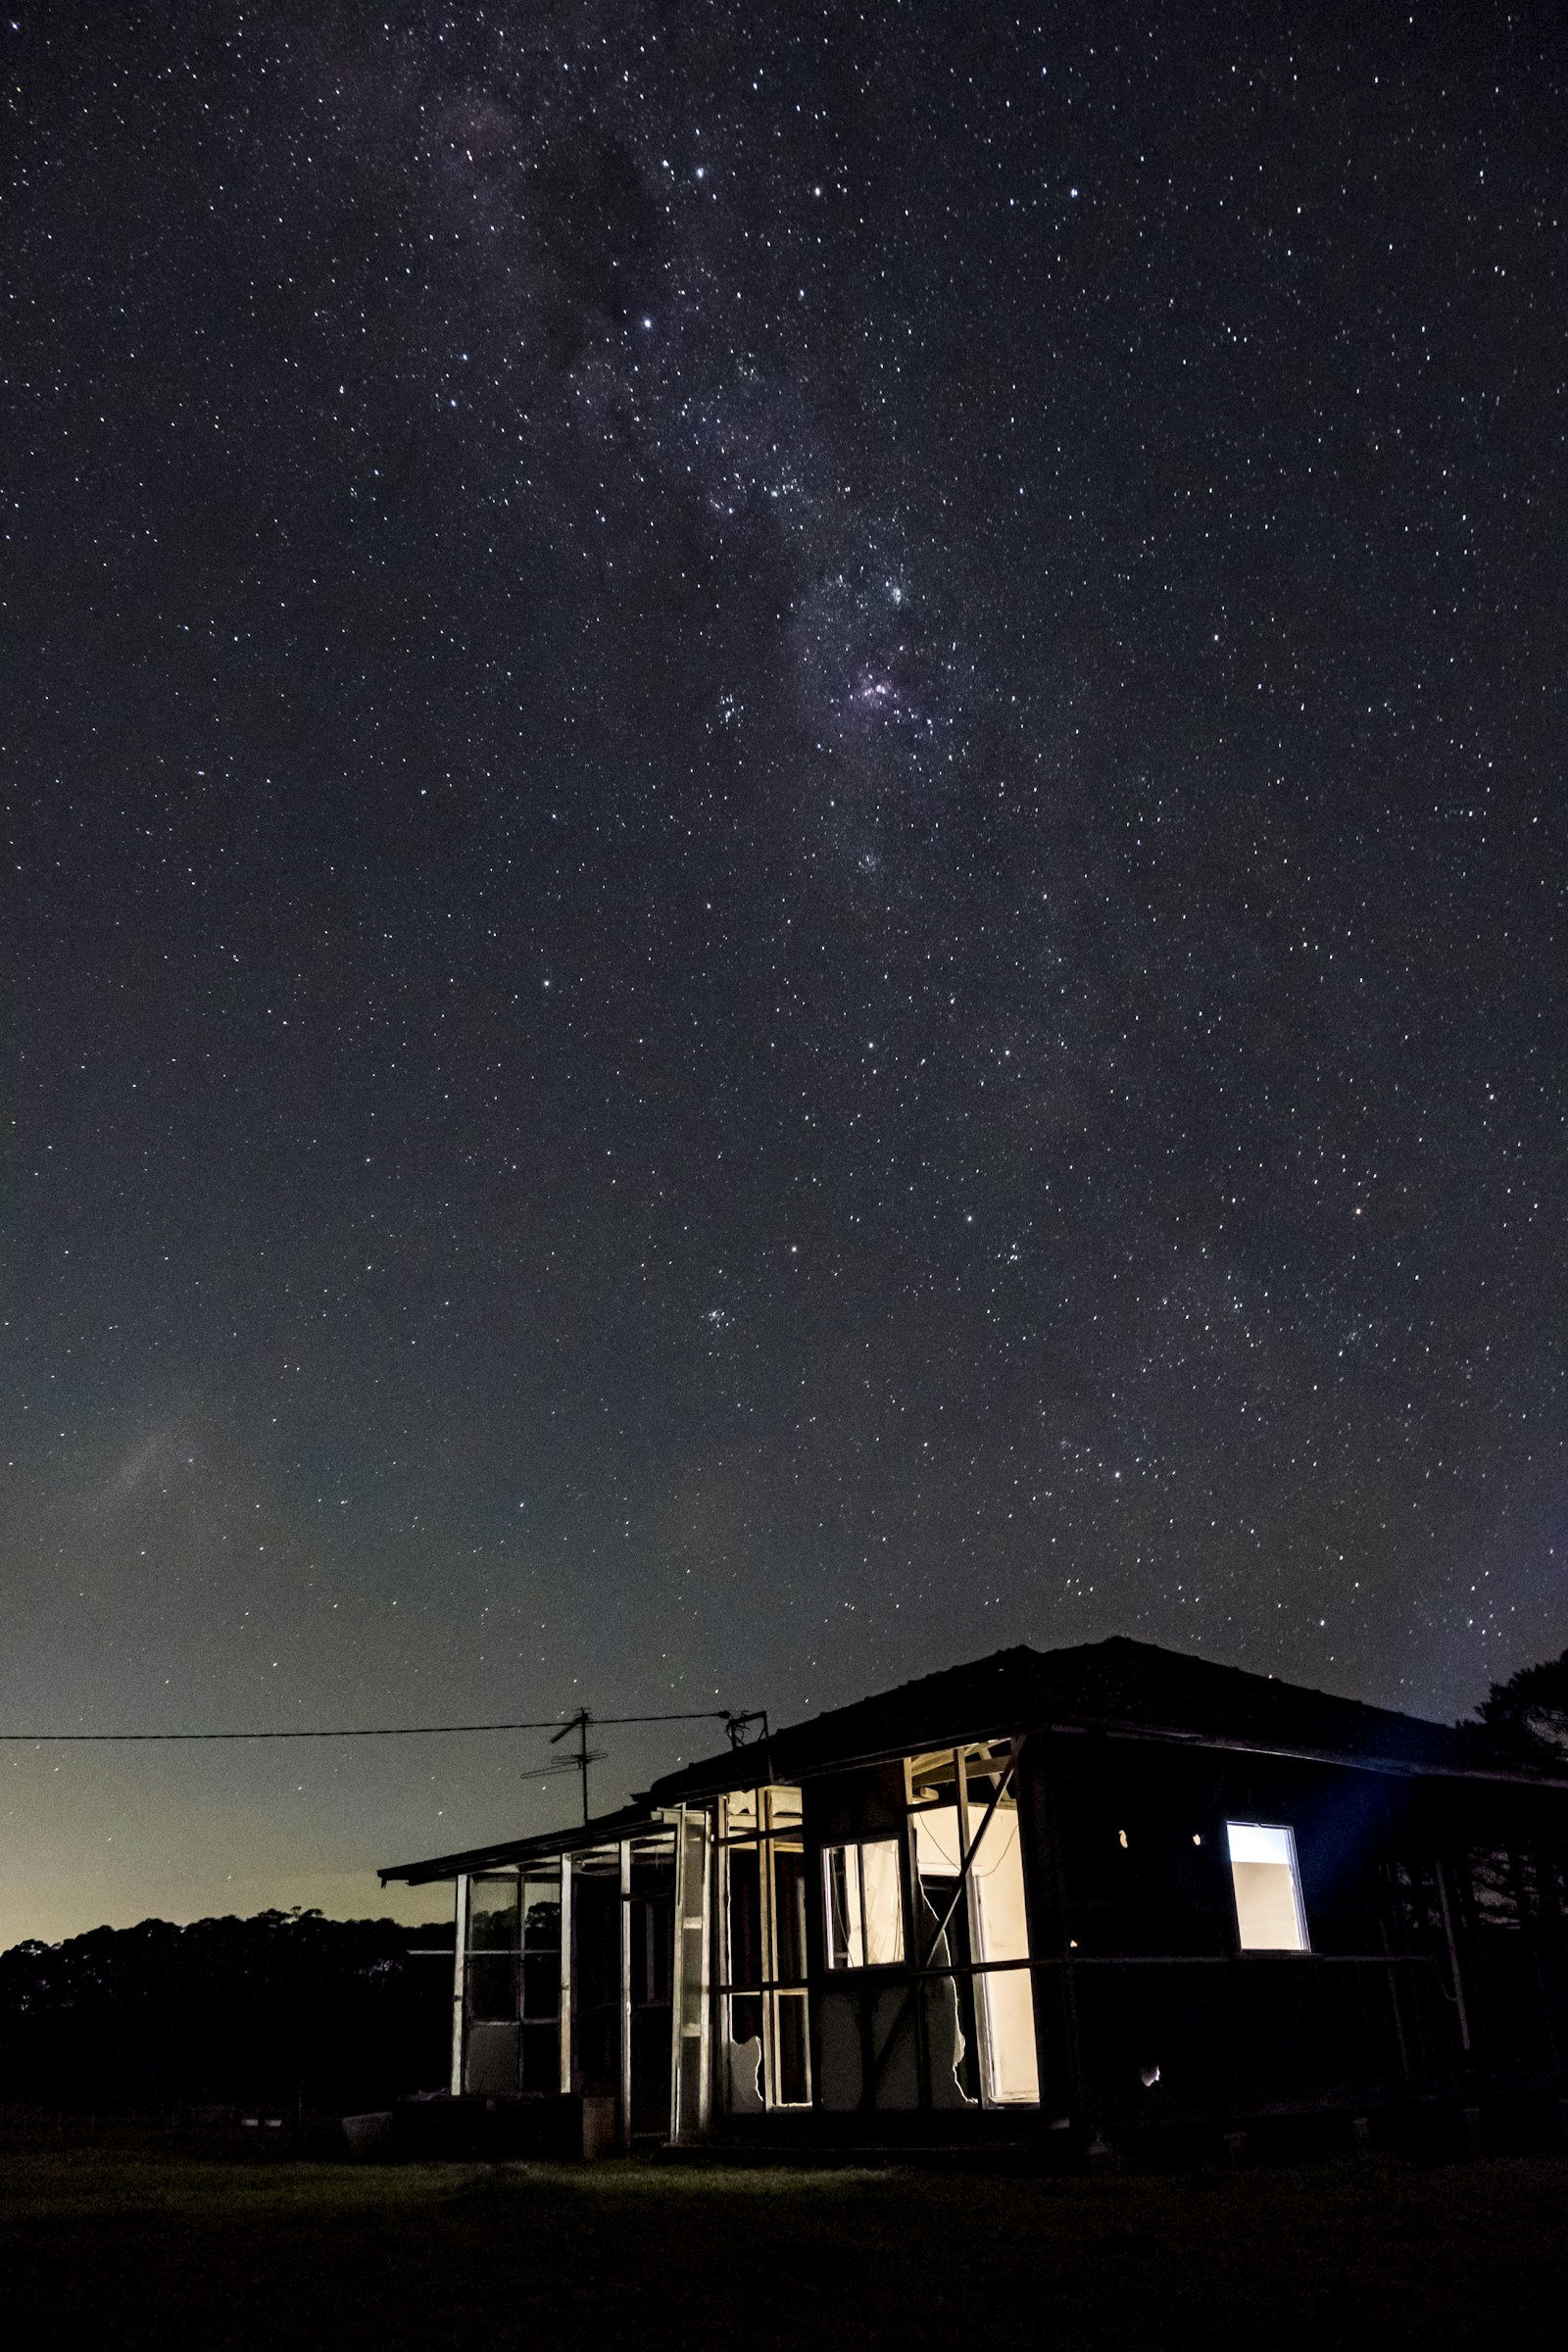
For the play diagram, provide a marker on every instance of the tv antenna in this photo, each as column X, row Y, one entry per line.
column 585, row 1755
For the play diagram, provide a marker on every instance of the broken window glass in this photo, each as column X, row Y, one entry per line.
column 490, row 2039
column 864, row 1904
column 794, row 2069
column 540, row 2066
column 990, row 1927
column 743, row 1968
column 743, row 1946
column 1006, row 2001
column 943, row 1941
column 1267, row 1885
column 762, row 1959
column 789, row 1915
column 792, row 2077
column 494, row 1923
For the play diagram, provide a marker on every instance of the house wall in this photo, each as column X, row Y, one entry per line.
column 1436, row 1957
column 942, row 2024
column 1437, row 1962
column 1150, row 2013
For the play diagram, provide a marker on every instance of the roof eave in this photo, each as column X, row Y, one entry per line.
column 727, row 1774
column 608, row 1829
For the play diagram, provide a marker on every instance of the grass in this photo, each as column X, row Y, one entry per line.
column 121, row 2242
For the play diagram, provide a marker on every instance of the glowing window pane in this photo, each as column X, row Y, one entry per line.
column 883, row 1902
column 1267, row 1885
column 1005, row 2001
column 864, row 1904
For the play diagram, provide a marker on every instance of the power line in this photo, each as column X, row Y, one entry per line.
column 707, row 1715
column 382, row 1730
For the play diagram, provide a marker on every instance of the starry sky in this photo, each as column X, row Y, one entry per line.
column 788, row 852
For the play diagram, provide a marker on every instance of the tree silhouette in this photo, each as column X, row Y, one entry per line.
column 1530, row 1708
column 283, row 2012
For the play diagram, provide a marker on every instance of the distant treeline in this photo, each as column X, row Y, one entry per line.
column 286, row 2012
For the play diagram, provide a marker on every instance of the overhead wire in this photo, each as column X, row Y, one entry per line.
column 382, row 1730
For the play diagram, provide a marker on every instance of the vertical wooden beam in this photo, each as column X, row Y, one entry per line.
column 980, row 2005
column 1395, row 1943
column 1039, row 1911
column 678, row 1984
column 723, row 1956
column 566, row 2028
column 1453, row 1942
column 460, row 1970
column 689, row 2058
column 914, row 1909
column 625, row 1996
column 1061, row 2066
column 706, row 2041
column 767, row 1957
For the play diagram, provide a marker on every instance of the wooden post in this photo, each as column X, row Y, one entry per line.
column 1453, row 1942
column 688, row 2056
column 459, row 1957
column 625, row 1996
column 566, row 1974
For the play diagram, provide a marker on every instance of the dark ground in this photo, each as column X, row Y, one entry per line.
column 130, row 2240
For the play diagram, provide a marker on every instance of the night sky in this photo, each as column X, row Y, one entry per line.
column 788, row 867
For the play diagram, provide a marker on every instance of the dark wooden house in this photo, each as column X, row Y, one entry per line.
column 1102, row 1892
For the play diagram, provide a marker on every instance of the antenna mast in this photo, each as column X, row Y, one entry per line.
column 579, row 1723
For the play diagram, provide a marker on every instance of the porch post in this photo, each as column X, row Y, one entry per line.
column 689, row 2059
column 460, row 1955
column 1453, row 1942
column 565, row 2036
column 625, row 1996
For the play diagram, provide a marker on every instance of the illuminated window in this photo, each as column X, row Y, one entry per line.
column 763, row 1955
column 992, row 1929
column 864, row 1904
column 1269, row 1915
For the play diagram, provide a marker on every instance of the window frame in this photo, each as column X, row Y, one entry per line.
column 858, row 1846
column 771, row 1827
column 1301, row 1949
column 982, row 1760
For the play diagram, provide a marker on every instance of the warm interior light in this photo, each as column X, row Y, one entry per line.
column 864, row 1904
column 1269, row 1914
column 1005, row 1999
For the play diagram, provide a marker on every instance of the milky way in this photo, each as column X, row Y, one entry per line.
column 789, row 856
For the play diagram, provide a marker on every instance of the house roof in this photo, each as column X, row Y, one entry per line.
column 1132, row 1690
column 1119, row 1686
